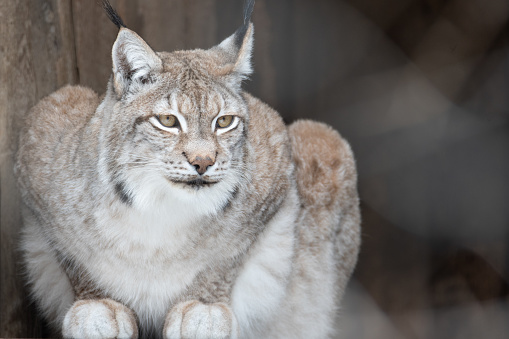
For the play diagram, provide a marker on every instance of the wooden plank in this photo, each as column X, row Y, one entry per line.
column 160, row 23
column 37, row 57
column 94, row 36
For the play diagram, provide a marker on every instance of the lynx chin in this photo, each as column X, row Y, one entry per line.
column 177, row 205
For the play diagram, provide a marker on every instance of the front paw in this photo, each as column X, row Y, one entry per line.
column 195, row 320
column 102, row 318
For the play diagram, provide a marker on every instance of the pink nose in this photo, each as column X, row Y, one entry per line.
column 202, row 163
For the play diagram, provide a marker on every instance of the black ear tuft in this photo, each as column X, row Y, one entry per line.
column 241, row 32
column 113, row 15
column 248, row 11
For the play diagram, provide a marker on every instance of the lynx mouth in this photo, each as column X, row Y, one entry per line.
column 195, row 183
column 200, row 183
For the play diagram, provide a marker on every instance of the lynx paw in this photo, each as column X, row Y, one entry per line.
column 193, row 319
column 103, row 318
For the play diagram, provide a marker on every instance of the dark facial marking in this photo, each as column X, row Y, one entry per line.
column 123, row 194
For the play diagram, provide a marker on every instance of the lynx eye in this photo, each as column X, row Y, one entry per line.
column 224, row 121
column 168, row 120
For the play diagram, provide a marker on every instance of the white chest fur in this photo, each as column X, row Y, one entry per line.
column 144, row 254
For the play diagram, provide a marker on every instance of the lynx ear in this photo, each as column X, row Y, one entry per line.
column 134, row 62
column 236, row 50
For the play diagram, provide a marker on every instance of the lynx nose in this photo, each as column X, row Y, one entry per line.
column 202, row 164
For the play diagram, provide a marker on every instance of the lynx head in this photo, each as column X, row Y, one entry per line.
column 176, row 122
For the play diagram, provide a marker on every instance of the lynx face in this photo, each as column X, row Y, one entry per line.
column 196, row 141
column 178, row 122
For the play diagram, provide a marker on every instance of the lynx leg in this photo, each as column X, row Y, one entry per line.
column 48, row 282
column 101, row 318
column 193, row 319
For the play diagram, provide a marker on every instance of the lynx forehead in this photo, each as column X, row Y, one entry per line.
column 179, row 206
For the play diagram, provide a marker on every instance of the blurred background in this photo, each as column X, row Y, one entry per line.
column 420, row 88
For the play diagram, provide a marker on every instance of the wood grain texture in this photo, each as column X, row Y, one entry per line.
column 94, row 35
column 37, row 57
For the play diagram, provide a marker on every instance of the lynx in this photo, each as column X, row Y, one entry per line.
column 179, row 206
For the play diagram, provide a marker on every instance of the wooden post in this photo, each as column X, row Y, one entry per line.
column 37, row 57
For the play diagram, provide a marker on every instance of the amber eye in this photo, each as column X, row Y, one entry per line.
column 168, row 120
column 224, row 121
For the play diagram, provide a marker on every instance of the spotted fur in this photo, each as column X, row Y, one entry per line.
column 124, row 236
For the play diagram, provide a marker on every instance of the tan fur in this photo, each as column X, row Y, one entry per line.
column 327, row 182
column 257, row 240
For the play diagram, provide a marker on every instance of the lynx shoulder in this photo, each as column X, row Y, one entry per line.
column 177, row 205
